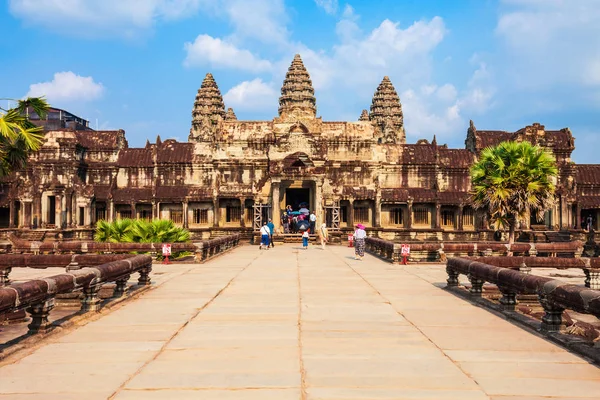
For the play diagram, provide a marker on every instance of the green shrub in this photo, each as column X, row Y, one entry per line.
column 140, row 231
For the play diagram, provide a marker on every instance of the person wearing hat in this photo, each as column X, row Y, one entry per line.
column 323, row 235
column 359, row 242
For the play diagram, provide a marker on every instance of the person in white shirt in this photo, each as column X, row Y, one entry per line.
column 359, row 242
column 265, row 234
column 313, row 221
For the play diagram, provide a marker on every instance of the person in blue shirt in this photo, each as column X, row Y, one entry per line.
column 272, row 230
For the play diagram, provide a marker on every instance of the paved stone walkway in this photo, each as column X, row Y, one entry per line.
column 293, row 324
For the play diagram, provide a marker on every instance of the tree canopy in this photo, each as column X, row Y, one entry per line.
column 512, row 180
column 18, row 135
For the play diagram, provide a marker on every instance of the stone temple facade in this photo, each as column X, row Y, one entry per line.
column 233, row 174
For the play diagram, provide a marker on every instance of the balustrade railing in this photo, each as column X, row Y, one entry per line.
column 37, row 296
column 554, row 295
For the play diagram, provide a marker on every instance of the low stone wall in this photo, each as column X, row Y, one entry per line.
column 37, row 296
column 203, row 250
column 440, row 251
column 43, row 261
column 554, row 295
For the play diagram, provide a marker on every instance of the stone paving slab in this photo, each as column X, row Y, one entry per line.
column 293, row 324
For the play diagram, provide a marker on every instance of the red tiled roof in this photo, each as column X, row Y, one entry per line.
column 172, row 152
column 588, row 174
column 101, row 192
column 491, row 138
column 100, row 140
column 132, row 194
column 135, row 158
column 172, row 192
column 456, row 158
column 417, row 154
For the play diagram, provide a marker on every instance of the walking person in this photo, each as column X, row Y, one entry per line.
column 265, row 233
column 305, row 239
column 271, row 226
column 323, row 235
column 285, row 222
column 313, row 221
column 359, row 242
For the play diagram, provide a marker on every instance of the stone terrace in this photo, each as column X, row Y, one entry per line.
column 293, row 324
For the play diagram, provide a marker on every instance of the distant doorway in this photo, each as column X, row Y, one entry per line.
column 296, row 197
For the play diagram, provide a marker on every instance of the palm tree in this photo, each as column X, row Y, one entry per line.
column 512, row 179
column 18, row 135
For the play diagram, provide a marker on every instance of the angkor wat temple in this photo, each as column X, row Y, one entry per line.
column 232, row 174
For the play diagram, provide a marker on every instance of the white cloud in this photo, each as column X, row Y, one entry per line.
column 67, row 87
column 330, row 6
column 206, row 50
column 102, row 17
column 251, row 96
column 264, row 20
column 556, row 42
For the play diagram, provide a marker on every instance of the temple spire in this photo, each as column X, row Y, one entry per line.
column 209, row 108
column 386, row 112
column 364, row 116
column 297, row 93
column 230, row 115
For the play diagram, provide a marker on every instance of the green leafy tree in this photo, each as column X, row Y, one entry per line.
column 19, row 137
column 511, row 180
column 140, row 231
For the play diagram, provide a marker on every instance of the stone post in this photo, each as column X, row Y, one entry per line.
column 460, row 217
column 91, row 301
column 275, row 184
column 39, row 316
column 437, row 215
column 452, row 277
column 476, row 286
column 4, row 276
column 578, row 216
column 121, row 286
column 552, row 319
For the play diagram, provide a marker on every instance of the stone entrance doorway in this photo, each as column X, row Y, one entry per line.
column 297, row 193
column 297, row 197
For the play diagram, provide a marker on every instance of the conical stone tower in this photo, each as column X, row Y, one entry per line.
column 208, row 111
column 297, row 94
column 386, row 113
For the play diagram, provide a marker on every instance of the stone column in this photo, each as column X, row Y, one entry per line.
column 133, row 210
column 276, row 210
column 351, row 214
column 437, row 215
column 242, row 212
column 578, row 216
column 11, row 214
column 58, row 210
column 111, row 210
column 377, row 209
column 409, row 221
column 69, row 209
column 319, row 202
column 460, row 217
column 37, row 211
column 185, row 214
column 216, row 212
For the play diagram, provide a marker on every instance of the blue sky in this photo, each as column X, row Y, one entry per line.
column 136, row 65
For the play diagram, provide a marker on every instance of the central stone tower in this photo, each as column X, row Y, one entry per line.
column 297, row 99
